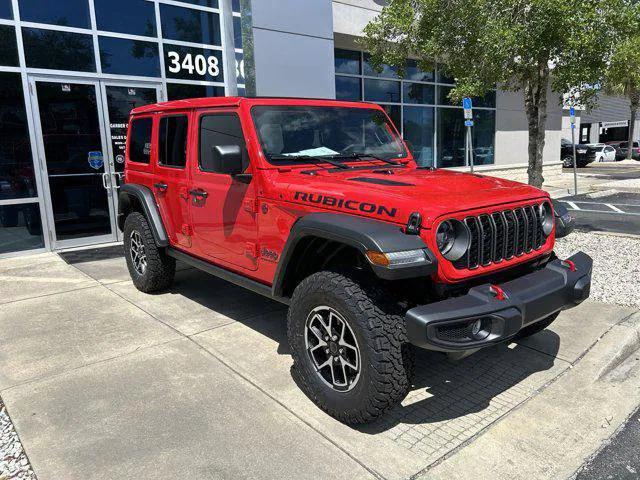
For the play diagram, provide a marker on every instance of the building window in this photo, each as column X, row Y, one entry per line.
column 172, row 141
column 17, row 178
column 8, row 46
column 6, row 11
column 58, row 50
column 418, row 105
column 190, row 25
column 140, row 16
column 21, row 227
column 68, row 13
column 179, row 91
column 129, row 57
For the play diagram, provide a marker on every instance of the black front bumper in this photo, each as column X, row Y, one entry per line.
column 448, row 325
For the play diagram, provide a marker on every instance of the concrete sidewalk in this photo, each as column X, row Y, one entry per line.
column 104, row 382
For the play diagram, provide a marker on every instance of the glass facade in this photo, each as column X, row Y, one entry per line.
column 419, row 106
column 65, row 100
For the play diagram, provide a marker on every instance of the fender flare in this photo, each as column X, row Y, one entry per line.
column 147, row 201
column 361, row 233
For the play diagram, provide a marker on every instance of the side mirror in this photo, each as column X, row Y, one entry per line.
column 565, row 223
column 224, row 159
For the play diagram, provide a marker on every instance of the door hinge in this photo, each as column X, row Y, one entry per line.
column 187, row 230
column 251, row 249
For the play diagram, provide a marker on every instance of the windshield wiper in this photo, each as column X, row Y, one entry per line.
column 316, row 159
column 367, row 155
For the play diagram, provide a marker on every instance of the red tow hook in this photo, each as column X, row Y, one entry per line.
column 568, row 264
column 498, row 293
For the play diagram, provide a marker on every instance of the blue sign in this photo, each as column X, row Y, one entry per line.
column 572, row 111
column 467, row 104
column 468, row 123
column 96, row 160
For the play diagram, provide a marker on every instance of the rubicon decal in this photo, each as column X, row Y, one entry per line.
column 347, row 204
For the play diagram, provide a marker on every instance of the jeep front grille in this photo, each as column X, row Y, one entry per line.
column 501, row 236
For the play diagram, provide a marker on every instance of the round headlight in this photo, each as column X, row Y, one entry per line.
column 452, row 239
column 546, row 218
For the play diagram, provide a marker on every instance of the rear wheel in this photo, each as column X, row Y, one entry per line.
column 537, row 327
column 151, row 269
column 349, row 347
column 567, row 162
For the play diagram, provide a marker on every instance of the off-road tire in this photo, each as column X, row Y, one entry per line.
column 536, row 327
column 160, row 269
column 386, row 359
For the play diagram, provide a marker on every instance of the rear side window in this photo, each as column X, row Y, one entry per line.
column 220, row 129
column 140, row 140
column 172, row 141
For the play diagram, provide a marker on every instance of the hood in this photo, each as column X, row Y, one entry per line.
column 393, row 194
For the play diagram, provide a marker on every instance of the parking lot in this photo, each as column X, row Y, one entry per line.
column 102, row 381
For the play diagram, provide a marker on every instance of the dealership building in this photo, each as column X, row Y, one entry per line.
column 71, row 70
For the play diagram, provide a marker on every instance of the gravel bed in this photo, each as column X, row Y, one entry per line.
column 616, row 265
column 14, row 464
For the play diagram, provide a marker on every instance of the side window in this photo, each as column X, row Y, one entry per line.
column 217, row 130
column 172, row 141
column 140, row 140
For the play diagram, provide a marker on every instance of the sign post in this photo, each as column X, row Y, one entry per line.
column 467, row 105
column 572, row 117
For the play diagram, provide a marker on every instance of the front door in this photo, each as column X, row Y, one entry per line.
column 223, row 208
column 77, row 146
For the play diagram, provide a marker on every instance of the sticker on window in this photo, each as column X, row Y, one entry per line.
column 96, row 160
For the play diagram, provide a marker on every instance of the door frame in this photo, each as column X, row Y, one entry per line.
column 109, row 174
column 114, row 177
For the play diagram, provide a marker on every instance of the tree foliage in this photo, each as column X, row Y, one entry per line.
column 527, row 45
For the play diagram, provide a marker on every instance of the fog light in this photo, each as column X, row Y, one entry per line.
column 475, row 327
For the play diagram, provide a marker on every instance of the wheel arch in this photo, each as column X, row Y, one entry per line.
column 321, row 240
column 138, row 198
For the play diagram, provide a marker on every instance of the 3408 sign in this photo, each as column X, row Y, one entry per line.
column 194, row 64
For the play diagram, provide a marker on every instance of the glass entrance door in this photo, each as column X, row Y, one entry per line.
column 81, row 128
column 119, row 99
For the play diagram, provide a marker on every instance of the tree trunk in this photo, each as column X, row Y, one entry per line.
column 635, row 101
column 535, row 104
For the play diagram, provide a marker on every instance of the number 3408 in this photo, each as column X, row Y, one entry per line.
column 190, row 63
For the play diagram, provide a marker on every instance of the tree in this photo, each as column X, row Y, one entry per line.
column 622, row 77
column 527, row 45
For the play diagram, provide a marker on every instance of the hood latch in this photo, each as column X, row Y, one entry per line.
column 413, row 224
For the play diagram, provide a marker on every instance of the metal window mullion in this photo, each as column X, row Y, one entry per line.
column 182, row 43
column 225, row 22
column 59, row 28
column 191, row 6
column 94, row 33
column 163, row 76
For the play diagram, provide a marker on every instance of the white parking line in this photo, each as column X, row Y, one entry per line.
column 573, row 205
column 614, row 208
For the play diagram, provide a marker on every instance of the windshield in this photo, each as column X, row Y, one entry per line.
column 291, row 134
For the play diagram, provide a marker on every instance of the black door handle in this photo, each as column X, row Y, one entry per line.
column 160, row 186
column 198, row 192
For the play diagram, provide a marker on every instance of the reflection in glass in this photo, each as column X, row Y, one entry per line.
column 8, row 46
column 348, row 88
column 120, row 102
column 129, row 57
column 413, row 72
column 394, row 113
column 74, row 158
column 381, row 90
column 237, row 32
column 179, row 91
column 20, row 227
column 58, row 50
column 387, row 70
column 418, row 93
column 6, row 10
column 17, row 178
column 140, row 16
column 70, row 13
column 347, row 61
column 451, row 136
column 190, row 25
column 489, row 100
column 189, row 63
column 418, row 133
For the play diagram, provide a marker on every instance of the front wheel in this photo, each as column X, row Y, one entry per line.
column 349, row 347
column 567, row 162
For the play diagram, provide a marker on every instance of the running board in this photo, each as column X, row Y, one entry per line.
column 225, row 274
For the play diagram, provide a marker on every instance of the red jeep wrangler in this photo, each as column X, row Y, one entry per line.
column 318, row 204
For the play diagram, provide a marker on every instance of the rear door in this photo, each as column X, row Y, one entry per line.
column 223, row 208
column 172, row 175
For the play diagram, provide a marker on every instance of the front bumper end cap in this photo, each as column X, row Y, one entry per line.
column 480, row 318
